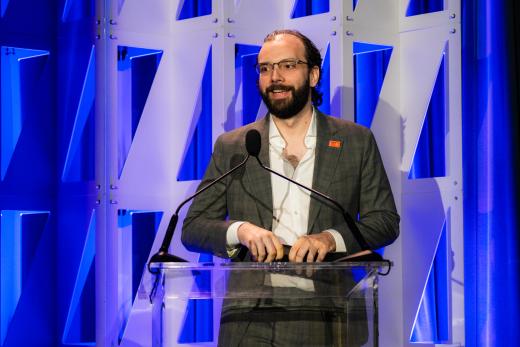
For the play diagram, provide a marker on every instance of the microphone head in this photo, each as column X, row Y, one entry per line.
column 253, row 142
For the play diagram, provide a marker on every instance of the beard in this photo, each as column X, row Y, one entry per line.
column 288, row 107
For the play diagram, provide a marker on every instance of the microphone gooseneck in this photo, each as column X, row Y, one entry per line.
column 162, row 256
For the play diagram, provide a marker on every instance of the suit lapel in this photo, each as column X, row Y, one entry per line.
column 259, row 180
column 328, row 150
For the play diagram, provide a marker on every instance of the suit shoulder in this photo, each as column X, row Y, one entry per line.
column 238, row 135
column 347, row 127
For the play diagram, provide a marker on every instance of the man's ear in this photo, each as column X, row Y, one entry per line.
column 314, row 76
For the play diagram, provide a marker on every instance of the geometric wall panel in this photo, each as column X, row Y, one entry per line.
column 3, row 6
column 77, row 9
column 245, row 81
column 137, row 231
column 79, row 161
column 120, row 4
column 14, row 88
column 324, row 86
column 198, row 321
column 199, row 148
column 417, row 7
column 370, row 65
column 303, row 8
column 430, row 159
column 193, row 8
column 432, row 323
column 81, row 317
column 21, row 232
column 136, row 69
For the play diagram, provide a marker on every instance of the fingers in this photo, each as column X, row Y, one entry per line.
column 300, row 248
column 312, row 248
column 263, row 244
column 273, row 246
column 253, row 250
column 266, row 247
column 279, row 248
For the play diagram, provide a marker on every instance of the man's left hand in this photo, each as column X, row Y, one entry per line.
column 312, row 247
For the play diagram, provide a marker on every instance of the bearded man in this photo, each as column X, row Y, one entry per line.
column 251, row 216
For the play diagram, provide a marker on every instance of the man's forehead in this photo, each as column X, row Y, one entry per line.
column 282, row 44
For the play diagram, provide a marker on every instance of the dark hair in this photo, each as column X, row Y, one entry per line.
column 312, row 55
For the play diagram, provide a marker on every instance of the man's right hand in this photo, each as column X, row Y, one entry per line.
column 263, row 244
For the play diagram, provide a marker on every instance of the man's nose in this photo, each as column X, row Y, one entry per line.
column 275, row 74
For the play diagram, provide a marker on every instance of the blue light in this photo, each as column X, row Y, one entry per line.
column 80, row 323
column 20, row 233
column 418, row 7
column 370, row 65
column 430, row 159
column 193, row 8
column 3, row 6
column 247, row 78
column 304, row 8
column 11, row 60
column 432, row 323
column 325, row 82
column 77, row 165
column 136, row 71
column 199, row 149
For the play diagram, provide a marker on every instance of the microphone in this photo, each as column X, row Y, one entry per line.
column 253, row 145
column 162, row 256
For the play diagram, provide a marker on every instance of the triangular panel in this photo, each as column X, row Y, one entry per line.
column 12, row 116
column 193, row 8
column 432, row 323
column 136, row 71
column 304, row 8
column 325, row 82
column 198, row 321
column 198, row 149
column 418, row 7
column 120, row 4
column 20, row 235
column 137, row 231
column 430, row 159
column 3, row 6
column 80, row 323
column 77, row 9
column 354, row 4
column 79, row 162
column 370, row 66
column 246, row 78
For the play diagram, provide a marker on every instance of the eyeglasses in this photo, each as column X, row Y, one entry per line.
column 285, row 65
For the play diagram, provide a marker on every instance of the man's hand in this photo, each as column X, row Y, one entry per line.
column 263, row 244
column 312, row 247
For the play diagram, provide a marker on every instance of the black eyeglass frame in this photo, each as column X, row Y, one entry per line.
column 271, row 65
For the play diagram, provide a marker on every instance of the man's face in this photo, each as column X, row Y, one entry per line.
column 285, row 93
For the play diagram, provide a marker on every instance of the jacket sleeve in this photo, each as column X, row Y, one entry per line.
column 378, row 220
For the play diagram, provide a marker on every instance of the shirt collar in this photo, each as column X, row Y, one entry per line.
column 276, row 139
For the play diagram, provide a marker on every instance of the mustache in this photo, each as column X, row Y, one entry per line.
column 282, row 87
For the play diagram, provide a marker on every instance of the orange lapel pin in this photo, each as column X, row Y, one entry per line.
column 334, row 143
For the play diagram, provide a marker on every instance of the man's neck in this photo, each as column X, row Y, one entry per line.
column 293, row 131
column 295, row 127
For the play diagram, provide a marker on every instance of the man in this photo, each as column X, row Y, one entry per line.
column 252, row 214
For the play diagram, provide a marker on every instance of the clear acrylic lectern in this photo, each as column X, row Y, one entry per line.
column 192, row 300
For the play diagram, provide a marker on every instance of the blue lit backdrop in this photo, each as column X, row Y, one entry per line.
column 48, row 193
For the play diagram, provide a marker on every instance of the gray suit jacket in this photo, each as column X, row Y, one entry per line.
column 352, row 173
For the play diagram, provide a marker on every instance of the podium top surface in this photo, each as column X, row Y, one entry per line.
column 273, row 266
